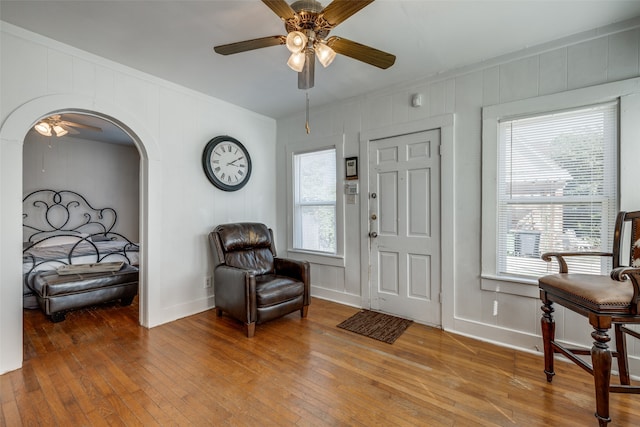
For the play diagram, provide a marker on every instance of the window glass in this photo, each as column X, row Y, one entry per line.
column 315, row 201
column 557, row 189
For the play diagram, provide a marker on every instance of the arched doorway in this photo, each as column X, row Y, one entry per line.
column 92, row 157
column 12, row 134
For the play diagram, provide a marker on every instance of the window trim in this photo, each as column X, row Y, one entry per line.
column 320, row 144
column 492, row 115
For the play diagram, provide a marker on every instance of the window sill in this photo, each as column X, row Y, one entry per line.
column 510, row 285
column 316, row 258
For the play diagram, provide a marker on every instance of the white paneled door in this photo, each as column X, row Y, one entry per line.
column 404, row 218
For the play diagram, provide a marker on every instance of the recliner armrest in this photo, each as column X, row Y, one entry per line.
column 235, row 291
column 299, row 270
column 292, row 268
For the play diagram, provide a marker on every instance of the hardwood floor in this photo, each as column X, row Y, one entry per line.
column 99, row 367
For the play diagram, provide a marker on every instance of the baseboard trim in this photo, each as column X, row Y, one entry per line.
column 336, row 296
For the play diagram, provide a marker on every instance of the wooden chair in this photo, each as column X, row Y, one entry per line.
column 606, row 301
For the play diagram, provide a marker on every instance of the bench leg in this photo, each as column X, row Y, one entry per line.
column 57, row 317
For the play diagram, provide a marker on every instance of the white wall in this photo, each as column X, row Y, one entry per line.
column 107, row 175
column 592, row 58
column 170, row 126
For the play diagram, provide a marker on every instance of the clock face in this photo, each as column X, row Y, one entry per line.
column 226, row 163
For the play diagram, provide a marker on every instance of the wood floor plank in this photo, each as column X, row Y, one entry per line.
column 100, row 368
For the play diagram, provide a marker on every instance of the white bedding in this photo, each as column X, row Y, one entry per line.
column 51, row 257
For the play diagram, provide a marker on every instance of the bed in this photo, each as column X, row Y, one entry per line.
column 69, row 253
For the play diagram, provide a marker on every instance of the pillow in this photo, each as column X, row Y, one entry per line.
column 61, row 240
column 100, row 238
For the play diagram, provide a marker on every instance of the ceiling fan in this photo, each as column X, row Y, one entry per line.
column 308, row 24
column 56, row 125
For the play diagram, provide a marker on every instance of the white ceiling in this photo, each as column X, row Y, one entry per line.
column 174, row 40
column 106, row 131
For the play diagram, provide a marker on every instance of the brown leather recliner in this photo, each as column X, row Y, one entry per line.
column 250, row 283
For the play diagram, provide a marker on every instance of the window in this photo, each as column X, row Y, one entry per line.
column 560, row 190
column 557, row 187
column 314, row 188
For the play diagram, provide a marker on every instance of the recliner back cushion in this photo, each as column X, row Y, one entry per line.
column 260, row 260
column 247, row 245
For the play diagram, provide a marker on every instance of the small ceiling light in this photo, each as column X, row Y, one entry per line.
column 59, row 130
column 325, row 54
column 296, row 41
column 296, row 61
column 43, row 128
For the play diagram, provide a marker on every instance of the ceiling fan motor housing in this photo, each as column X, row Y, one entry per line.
column 308, row 18
column 307, row 6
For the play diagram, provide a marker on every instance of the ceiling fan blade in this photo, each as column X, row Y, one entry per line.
column 231, row 48
column 80, row 125
column 71, row 130
column 280, row 8
column 361, row 52
column 339, row 10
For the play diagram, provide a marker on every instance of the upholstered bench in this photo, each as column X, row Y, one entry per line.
column 58, row 293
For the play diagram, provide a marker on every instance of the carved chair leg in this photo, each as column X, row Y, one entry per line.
column 303, row 311
column 250, row 329
column 601, row 360
column 548, row 326
column 621, row 348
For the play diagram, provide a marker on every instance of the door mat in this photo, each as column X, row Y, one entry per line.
column 379, row 326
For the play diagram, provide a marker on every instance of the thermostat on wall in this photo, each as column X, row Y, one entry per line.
column 351, row 188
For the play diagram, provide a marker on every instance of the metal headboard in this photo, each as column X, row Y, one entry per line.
column 51, row 212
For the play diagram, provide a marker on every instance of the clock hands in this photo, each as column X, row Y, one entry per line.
column 232, row 163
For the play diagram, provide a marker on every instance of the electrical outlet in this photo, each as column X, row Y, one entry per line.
column 207, row 282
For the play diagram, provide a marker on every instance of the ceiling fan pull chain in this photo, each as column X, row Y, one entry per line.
column 306, row 125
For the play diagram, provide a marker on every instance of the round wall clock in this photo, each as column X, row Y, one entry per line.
column 226, row 163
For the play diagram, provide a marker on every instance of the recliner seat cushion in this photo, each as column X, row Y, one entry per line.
column 272, row 289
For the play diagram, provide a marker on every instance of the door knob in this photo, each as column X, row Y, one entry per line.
column 373, row 234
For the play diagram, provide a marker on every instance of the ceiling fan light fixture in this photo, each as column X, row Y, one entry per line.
column 296, row 61
column 43, row 128
column 296, row 41
column 325, row 54
column 59, row 130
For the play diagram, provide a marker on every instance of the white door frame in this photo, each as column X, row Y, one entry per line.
column 447, row 206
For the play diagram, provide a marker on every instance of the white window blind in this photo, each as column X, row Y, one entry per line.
column 557, row 189
column 315, row 201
